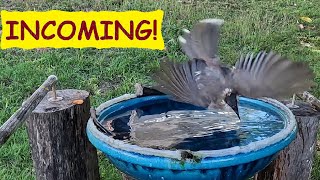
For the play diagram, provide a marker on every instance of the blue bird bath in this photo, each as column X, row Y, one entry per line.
column 236, row 163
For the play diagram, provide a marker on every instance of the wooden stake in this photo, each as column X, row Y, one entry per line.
column 15, row 121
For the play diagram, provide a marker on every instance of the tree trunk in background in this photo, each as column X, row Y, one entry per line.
column 295, row 161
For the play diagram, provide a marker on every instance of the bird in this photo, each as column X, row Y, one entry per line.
column 205, row 81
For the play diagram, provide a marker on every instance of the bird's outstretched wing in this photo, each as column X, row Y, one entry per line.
column 178, row 81
column 270, row 75
column 202, row 41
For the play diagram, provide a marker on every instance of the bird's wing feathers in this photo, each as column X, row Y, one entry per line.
column 212, row 81
column 178, row 80
column 202, row 41
column 270, row 75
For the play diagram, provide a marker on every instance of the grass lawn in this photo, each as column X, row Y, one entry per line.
column 250, row 26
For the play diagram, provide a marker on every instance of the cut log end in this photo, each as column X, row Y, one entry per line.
column 303, row 109
column 70, row 97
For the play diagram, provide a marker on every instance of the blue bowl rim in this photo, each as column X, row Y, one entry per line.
column 269, row 145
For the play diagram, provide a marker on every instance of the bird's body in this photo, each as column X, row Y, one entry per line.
column 205, row 82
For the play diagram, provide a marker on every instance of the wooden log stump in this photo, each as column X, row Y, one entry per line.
column 295, row 161
column 57, row 136
column 126, row 177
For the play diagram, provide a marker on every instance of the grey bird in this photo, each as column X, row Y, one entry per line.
column 204, row 81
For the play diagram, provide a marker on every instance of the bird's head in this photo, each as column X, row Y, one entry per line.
column 231, row 99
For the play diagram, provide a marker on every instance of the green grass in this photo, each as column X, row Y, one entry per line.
column 250, row 26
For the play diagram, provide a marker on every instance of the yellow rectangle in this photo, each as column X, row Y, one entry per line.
column 60, row 29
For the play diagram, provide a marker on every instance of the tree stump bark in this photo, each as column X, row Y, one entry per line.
column 295, row 161
column 57, row 136
column 126, row 177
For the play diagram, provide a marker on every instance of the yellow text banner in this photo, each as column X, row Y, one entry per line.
column 103, row 29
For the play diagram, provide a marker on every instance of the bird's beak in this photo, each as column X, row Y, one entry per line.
column 232, row 101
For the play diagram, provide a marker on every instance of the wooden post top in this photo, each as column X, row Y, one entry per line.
column 70, row 97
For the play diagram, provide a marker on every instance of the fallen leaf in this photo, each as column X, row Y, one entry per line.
column 42, row 49
column 306, row 19
column 301, row 26
column 185, row 1
column 108, row 125
column 305, row 44
column 310, row 27
column 316, row 50
column 79, row 101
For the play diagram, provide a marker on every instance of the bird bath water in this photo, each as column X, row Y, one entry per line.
column 235, row 151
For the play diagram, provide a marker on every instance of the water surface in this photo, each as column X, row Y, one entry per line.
column 193, row 129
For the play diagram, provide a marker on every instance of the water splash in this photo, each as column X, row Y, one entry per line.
column 194, row 129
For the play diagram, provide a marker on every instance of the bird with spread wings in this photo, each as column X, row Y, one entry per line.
column 204, row 81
